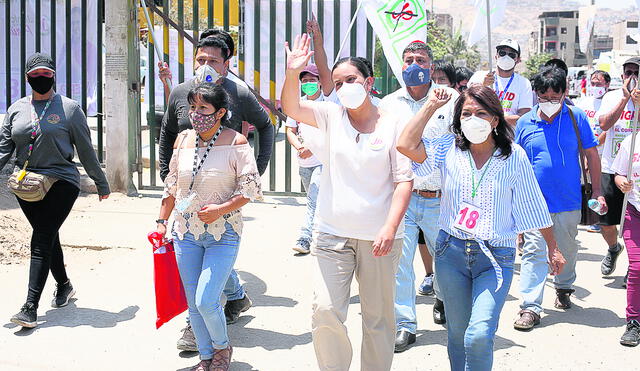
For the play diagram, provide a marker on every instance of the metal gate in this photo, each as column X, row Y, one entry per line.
column 256, row 26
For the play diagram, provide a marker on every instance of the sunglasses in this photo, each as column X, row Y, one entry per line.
column 631, row 73
column 511, row 55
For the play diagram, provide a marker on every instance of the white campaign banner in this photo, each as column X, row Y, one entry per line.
column 586, row 18
column 397, row 24
column 173, row 63
column 45, row 41
column 497, row 9
column 280, row 28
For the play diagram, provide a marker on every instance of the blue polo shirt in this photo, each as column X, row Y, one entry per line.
column 552, row 149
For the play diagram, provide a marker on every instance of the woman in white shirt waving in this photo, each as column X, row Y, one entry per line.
column 489, row 195
column 366, row 185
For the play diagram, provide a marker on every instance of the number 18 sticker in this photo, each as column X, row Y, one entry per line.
column 468, row 218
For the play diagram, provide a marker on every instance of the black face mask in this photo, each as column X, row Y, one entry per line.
column 40, row 84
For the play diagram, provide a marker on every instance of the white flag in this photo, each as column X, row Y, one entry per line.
column 496, row 9
column 264, row 49
column 397, row 24
column 586, row 19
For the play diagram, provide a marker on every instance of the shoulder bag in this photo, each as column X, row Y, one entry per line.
column 588, row 216
column 27, row 185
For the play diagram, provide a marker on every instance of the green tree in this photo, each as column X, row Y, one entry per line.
column 452, row 48
column 534, row 63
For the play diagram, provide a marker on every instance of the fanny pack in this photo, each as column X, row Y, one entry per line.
column 27, row 185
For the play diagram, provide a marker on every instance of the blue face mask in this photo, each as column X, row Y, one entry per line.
column 415, row 75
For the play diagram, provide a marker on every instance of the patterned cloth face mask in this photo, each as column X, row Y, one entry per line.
column 202, row 123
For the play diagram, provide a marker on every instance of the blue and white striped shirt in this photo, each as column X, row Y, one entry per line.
column 509, row 195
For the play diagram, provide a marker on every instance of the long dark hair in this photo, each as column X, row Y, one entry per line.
column 488, row 99
column 362, row 64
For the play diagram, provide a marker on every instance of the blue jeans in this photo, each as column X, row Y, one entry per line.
column 534, row 267
column 310, row 177
column 205, row 265
column 468, row 283
column 422, row 213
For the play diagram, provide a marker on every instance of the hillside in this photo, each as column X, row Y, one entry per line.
column 522, row 18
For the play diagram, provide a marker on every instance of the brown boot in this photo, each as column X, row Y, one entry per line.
column 221, row 359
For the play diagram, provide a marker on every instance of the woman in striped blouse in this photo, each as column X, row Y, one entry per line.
column 490, row 194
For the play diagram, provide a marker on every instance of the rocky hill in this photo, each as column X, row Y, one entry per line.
column 522, row 18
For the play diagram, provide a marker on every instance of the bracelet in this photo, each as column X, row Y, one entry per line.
column 162, row 221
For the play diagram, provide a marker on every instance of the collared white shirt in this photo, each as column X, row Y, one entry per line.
column 401, row 102
column 509, row 196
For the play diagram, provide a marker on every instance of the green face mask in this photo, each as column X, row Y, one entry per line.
column 310, row 88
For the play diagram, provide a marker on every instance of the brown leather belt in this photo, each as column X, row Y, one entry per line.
column 428, row 194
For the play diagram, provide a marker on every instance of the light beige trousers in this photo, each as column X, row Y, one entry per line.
column 336, row 259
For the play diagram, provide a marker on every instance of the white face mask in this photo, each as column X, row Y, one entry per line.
column 475, row 129
column 206, row 73
column 506, row 63
column 352, row 95
column 549, row 108
column 435, row 85
column 596, row 91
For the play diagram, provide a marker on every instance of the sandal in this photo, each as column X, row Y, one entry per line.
column 202, row 366
column 527, row 320
column 563, row 298
column 221, row 359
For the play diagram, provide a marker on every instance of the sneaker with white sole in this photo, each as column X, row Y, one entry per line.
column 302, row 247
column 187, row 341
column 63, row 293
column 27, row 317
column 631, row 336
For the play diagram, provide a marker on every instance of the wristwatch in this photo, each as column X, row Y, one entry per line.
column 162, row 221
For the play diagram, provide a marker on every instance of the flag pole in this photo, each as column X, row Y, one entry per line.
column 150, row 26
column 629, row 167
column 346, row 36
column 143, row 4
column 489, row 34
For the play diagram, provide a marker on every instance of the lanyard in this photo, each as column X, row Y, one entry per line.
column 474, row 186
column 35, row 125
column 506, row 89
column 197, row 166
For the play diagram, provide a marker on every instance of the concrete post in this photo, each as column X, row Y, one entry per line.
column 121, row 93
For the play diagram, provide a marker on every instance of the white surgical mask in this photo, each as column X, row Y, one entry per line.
column 352, row 95
column 549, row 108
column 596, row 91
column 506, row 63
column 435, row 85
column 206, row 73
column 475, row 129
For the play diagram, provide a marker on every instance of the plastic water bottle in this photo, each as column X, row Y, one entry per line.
column 595, row 206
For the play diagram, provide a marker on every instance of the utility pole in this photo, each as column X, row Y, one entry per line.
column 122, row 93
column 590, row 43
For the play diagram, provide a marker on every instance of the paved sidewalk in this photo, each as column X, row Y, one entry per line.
column 111, row 324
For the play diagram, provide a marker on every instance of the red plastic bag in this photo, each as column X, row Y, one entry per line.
column 170, row 296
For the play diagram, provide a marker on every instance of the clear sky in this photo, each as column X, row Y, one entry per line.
column 612, row 4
